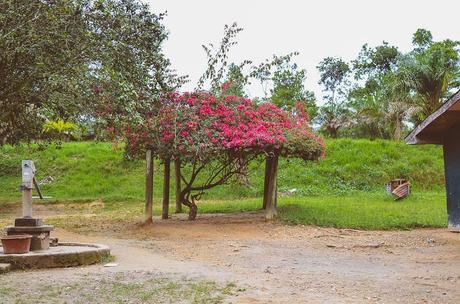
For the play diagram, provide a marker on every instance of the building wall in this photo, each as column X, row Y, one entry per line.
column 452, row 170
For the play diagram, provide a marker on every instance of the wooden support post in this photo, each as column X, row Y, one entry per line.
column 452, row 171
column 266, row 181
column 178, row 185
column 149, row 187
column 270, row 211
column 166, row 184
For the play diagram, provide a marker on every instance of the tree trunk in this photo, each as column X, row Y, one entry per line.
column 193, row 211
column 149, row 187
column 270, row 211
column 242, row 177
column 266, row 181
column 193, row 208
column 166, row 183
column 178, row 185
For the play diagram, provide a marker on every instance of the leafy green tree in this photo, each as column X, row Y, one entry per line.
column 283, row 83
column 334, row 115
column 334, row 75
column 289, row 88
column 422, row 38
column 374, row 62
column 377, row 103
column 236, row 81
column 57, row 57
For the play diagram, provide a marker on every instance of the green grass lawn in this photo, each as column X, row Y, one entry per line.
column 367, row 211
column 343, row 190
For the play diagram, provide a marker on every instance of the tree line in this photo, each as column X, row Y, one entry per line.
column 56, row 56
column 382, row 93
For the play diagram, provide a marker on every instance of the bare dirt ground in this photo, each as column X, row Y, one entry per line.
column 274, row 263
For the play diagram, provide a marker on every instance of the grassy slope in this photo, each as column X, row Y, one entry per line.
column 343, row 190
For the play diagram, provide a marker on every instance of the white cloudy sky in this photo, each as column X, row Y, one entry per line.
column 316, row 29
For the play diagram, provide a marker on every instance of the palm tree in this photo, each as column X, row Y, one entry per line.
column 430, row 73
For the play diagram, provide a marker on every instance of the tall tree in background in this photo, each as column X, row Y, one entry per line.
column 289, row 88
column 334, row 74
column 285, row 81
column 374, row 100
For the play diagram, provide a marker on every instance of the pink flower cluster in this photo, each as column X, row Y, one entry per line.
column 201, row 123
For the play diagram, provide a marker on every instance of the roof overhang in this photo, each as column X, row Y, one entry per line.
column 433, row 129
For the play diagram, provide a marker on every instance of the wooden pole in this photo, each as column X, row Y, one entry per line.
column 178, row 185
column 166, row 183
column 270, row 211
column 149, row 187
column 266, row 181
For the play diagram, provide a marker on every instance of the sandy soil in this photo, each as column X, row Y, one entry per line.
column 274, row 263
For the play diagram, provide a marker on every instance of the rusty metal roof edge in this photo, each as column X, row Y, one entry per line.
column 412, row 139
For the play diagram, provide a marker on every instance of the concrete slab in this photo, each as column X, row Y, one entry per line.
column 63, row 255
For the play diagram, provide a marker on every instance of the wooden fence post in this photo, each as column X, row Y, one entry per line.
column 270, row 211
column 148, row 187
column 166, row 184
column 266, row 181
column 178, row 185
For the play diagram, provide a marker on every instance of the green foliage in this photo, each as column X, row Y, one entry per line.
column 334, row 74
column 430, row 73
column 381, row 103
column 333, row 115
column 392, row 90
column 236, row 81
column 372, row 62
column 60, row 129
column 422, row 38
column 55, row 68
column 289, row 88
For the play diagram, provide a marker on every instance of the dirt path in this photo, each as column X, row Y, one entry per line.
column 273, row 263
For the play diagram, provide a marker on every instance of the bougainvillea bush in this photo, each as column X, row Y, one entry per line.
column 217, row 135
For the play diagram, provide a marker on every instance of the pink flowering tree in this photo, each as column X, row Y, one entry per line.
column 214, row 137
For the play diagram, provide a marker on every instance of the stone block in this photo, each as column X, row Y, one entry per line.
column 28, row 222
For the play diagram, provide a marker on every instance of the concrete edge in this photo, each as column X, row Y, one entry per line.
column 59, row 260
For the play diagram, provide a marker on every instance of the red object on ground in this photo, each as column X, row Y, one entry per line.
column 14, row 244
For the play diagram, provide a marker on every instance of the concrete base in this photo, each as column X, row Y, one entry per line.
column 454, row 228
column 28, row 222
column 63, row 255
column 40, row 235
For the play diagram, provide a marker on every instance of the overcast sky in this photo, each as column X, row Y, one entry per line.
column 316, row 29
